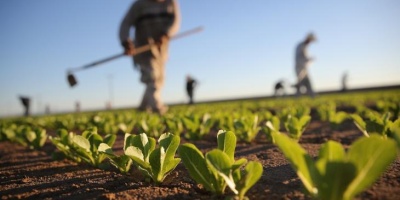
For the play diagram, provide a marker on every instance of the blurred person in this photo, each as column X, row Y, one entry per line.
column 47, row 109
column 344, row 81
column 26, row 101
column 279, row 88
column 77, row 106
column 302, row 62
column 190, row 85
column 153, row 21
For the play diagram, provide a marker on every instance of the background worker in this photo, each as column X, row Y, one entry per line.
column 154, row 21
column 303, row 61
column 26, row 102
column 190, row 85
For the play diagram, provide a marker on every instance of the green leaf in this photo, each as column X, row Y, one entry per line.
column 81, row 142
column 251, row 174
column 104, row 148
column 220, row 165
column 371, row 157
column 227, row 143
column 137, row 156
column 301, row 162
column 335, row 180
column 195, row 163
column 359, row 122
column 145, row 144
column 156, row 161
column 304, row 121
column 396, row 135
column 30, row 136
column 330, row 152
column 110, row 139
column 238, row 163
column 170, row 143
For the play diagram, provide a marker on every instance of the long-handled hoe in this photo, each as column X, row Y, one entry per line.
column 72, row 80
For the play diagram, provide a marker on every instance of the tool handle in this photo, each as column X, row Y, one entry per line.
column 100, row 61
column 139, row 50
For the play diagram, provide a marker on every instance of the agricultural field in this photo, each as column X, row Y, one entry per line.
column 335, row 146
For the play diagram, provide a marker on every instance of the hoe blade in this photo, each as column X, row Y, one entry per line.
column 71, row 80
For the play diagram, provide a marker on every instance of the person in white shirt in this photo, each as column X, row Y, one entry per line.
column 303, row 61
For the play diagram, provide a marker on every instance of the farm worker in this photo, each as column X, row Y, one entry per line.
column 302, row 62
column 190, row 85
column 153, row 21
column 344, row 82
column 25, row 101
column 279, row 88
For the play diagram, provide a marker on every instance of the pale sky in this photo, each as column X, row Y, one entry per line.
column 246, row 47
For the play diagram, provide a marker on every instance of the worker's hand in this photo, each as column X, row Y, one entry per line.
column 129, row 48
column 164, row 39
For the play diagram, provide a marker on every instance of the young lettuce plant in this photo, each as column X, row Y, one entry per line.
column 155, row 163
column 206, row 124
column 381, row 125
column 174, row 125
column 197, row 126
column 151, row 124
column 273, row 124
column 87, row 144
column 337, row 174
column 29, row 136
column 296, row 126
column 63, row 142
column 246, row 127
column 218, row 168
column 35, row 137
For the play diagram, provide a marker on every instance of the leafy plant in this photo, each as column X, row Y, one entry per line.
column 174, row 125
column 273, row 124
column 30, row 136
column 35, row 137
column 218, row 168
column 86, row 146
column 197, row 125
column 246, row 127
column 336, row 174
column 151, row 124
column 155, row 163
column 296, row 126
column 376, row 124
column 64, row 143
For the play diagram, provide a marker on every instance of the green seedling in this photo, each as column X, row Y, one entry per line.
column 218, row 168
column 151, row 124
column 63, row 142
column 197, row 126
column 30, row 136
column 296, row 126
column 174, row 125
column 86, row 146
column 337, row 174
column 35, row 137
column 155, row 163
column 273, row 124
column 376, row 124
column 246, row 127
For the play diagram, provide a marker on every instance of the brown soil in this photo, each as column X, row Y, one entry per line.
column 33, row 174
